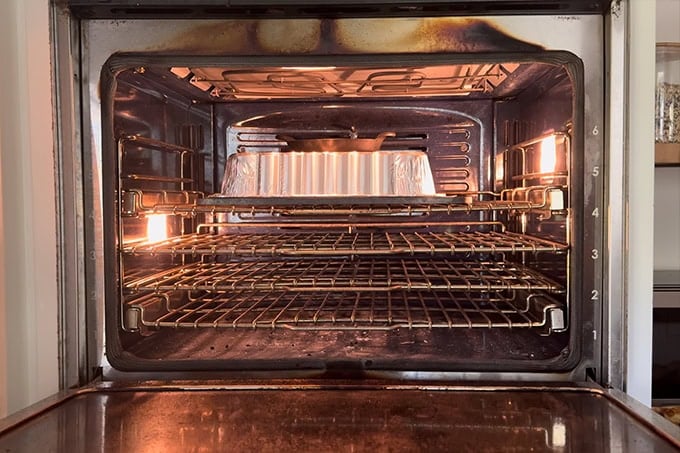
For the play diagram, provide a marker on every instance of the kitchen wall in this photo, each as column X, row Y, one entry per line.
column 29, row 368
column 3, row 336
column 667, row 179
column 638, row 105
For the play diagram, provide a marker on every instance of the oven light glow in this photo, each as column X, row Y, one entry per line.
column 181, row 73
column 156, row 228
column 555, row 199
column 500, row 169
column 523, row 222
column 548, row 155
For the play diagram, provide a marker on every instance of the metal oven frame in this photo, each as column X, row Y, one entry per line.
column 82, row 47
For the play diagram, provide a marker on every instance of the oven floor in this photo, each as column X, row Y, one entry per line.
column 418, row 345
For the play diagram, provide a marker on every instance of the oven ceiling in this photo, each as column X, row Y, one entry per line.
column 213, row 9
column 335, row 82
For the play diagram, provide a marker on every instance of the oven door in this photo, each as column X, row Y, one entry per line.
column 337, row 416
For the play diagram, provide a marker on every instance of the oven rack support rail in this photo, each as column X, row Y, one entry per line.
column 346, row 310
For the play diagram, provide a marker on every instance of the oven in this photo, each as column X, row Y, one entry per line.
column 289, row 249
column 262, row 225
column 356, row 209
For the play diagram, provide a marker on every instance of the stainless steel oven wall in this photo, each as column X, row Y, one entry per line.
column 581, row 35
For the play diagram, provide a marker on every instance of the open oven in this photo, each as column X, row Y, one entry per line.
column 251, row 232
column 333, row 202
column 349, row 207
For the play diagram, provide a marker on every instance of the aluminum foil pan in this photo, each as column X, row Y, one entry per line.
column 353, row 173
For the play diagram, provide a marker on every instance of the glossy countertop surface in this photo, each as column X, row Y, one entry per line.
column 319, row 420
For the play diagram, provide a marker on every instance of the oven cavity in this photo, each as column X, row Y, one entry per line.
column 253, row 226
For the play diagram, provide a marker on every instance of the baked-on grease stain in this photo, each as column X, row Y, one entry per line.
column 344, row 36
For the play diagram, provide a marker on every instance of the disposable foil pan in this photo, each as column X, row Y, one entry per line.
column 354, row 173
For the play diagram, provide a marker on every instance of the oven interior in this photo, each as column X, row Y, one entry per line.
column 450, row 248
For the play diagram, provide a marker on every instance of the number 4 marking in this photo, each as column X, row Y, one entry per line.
column 596, row 212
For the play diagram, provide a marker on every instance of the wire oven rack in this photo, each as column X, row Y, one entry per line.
column 136, row 202
column 366, row 274
column 346, row 310
column 331, row 243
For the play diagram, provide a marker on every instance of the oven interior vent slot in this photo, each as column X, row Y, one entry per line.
column 347, row 310
column 331, row 243
column 245, row 139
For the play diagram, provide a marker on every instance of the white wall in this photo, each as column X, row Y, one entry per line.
column 667, row 218
column 667, row 180
column 668, row 20
column 28, row 299
column 3, row 337
column 639, row 191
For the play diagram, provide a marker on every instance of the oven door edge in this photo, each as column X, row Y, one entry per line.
column 358, row 409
